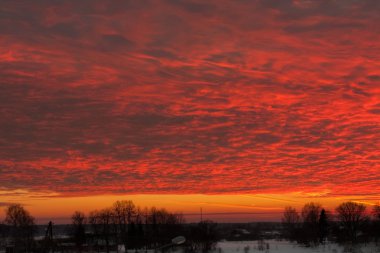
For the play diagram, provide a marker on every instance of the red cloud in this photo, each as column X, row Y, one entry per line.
column 189, row 97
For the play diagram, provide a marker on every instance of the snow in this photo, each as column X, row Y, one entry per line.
column 274, row 246
column 289, row 247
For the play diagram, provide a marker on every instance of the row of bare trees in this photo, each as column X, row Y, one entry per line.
column 104, row 230
column 122, row 223
column 137, row 228
column 125, row 224
column 315, row 224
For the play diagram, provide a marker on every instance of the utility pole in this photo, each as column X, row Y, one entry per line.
column 48, row 242
column 201, row 215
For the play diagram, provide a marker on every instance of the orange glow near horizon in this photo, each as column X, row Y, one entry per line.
column 221, row 208
column 231, row 106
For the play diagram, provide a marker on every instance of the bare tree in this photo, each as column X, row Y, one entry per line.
column 376, row 212
column 352, row 216
column 163, row 225
column 22, row 227
column 323, row 225
column 124, row 212
column 139, row 236
column 376, row 223
column 153, row 221
column 310, row 212
column 290, row 220
column 95, row 228
column 310, row 215
column 101, row 222
column 79, row 229
column 291, row 216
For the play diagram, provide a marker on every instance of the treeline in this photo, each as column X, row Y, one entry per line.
column 105, row 230
column 350, row 221
column 128, row 225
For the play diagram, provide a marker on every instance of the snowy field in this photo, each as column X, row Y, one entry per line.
column 274, row 246
column 288, row 247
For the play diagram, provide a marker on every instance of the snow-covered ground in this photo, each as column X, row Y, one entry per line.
column 274, row 246
column 289, row 247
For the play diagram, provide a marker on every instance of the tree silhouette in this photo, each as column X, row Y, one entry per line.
column 376, row 212
column 78, row 220
column 290, row 221
column 22, row 227
column 310, row 216
column 323, row 226
column 376, row 221
column 124, row 211
column 351, row 216
column 102, row 225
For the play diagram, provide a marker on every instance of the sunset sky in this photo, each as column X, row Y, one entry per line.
column 239, row 107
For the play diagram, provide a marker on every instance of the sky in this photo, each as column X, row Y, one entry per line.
column 229, row 106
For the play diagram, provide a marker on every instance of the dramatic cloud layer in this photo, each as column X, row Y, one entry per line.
column 190, row 96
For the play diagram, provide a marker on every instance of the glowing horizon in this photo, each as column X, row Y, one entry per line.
column 221, row 208
column 174, row 100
